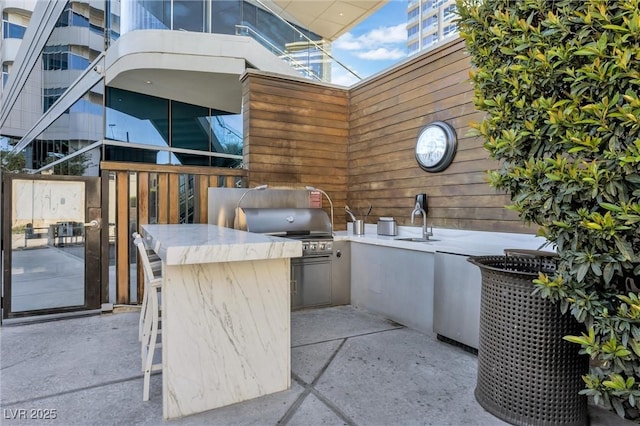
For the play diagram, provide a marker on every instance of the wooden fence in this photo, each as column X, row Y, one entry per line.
column 135, row 194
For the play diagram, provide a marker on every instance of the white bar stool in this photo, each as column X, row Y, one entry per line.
column 149, row 315
column 156, row 267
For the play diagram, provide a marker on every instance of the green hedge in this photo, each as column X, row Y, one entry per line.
column 560, row 83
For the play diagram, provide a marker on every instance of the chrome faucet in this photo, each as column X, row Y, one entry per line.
column 425, row 234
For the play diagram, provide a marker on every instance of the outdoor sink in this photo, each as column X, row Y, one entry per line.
column 416, row 239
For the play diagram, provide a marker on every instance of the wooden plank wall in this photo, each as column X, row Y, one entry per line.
column 133, row 178
column 296, row 134
column 386, row 115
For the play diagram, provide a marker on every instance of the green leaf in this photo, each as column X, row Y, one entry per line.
column 581, row 340
column 611, row 207
column 625, row 248
column 582, row 271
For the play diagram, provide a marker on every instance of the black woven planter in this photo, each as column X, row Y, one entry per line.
column 527, row 374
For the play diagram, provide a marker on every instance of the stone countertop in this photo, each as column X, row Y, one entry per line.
column 464, row 242
column 200, row 243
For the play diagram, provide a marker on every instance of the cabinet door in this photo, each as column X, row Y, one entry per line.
column 311, row 282
column 395, row 282
column 456, row 310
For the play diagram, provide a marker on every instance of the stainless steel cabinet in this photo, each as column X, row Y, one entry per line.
column 310, row 282
column 394, row 282
column 456, row 299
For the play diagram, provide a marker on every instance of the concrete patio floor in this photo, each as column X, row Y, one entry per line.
column 349, row 367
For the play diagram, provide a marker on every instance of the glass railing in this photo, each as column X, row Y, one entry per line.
column 305, row 51
column 318, row 58
column 301, row 67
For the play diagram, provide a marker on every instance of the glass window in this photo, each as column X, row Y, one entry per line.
column 132, row 155
column 183, row 159
column 431, row 21
column 189, row 127
column 55, row 58
column 189, row 15
column 429, row 40
column 145, row 14
column 76, row 62
column 226, row 162
column 450, row 29
column 186, row 198
column 226, row 135
column 11, row 30
column 5, row 74
column 413, row 14
column 449, row 11
column 112, row 15
column 138, row 118
column 226, row 14
column 77, row 20
column 50, row 96
column 77, row 128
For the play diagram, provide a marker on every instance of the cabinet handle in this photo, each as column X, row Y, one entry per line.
column 294, row 287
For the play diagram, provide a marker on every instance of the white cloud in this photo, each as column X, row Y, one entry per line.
column 382, row 43
column 382, row 53
column 387, row 35
column 347, row 42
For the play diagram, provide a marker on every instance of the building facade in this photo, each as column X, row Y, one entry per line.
column 429, row 22
column 138, row 80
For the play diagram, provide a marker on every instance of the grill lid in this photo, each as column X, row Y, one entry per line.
column 285, row 221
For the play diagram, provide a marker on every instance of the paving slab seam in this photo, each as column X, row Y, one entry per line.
column 348, row 337
column 308, row 387
column 70, row 391
column 332, row 407
column 21, row 321
column 22, row 361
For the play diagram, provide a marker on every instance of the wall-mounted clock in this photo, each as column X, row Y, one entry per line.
column 436, row 146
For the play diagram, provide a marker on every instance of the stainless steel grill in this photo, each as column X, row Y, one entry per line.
column 311, row 274
column 309, row 225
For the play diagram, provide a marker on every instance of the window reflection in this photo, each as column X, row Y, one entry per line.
column 189, row 15
column 131, row 154
column 191, row 136
column 183, row 159
column 145, row 14
column 134, row 117
column 189, row 126
column 72, row 132
column 11, row 29
column 226, row 14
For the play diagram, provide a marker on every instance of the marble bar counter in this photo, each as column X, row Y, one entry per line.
column 225, row 315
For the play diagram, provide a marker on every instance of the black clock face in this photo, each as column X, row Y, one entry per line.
column 436, row 146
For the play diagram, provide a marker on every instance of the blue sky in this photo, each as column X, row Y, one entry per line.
column 374, row 45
